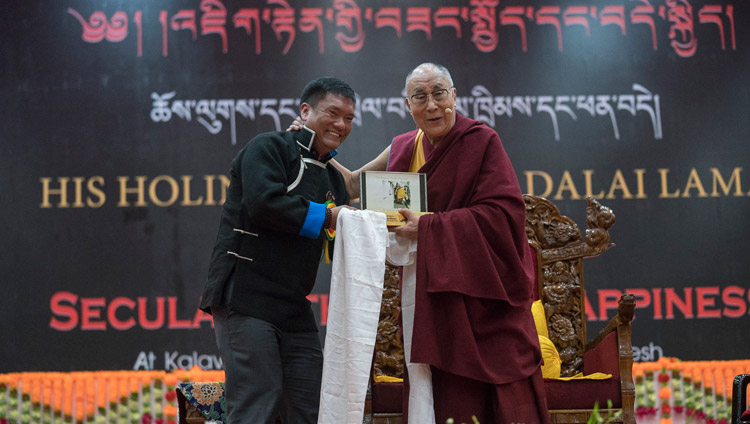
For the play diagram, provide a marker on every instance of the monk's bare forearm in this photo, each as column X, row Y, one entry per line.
column 347, row 174
column 352, row 177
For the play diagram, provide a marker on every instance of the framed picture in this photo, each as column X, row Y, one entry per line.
column 389, row 191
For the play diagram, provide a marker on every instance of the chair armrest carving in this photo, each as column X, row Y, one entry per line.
column 625, row 311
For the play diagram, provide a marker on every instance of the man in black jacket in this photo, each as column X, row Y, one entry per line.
column 281, row 207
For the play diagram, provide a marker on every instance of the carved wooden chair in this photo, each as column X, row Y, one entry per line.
column 559, row 252
column 558, row 248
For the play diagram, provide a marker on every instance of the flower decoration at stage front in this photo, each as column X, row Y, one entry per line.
column 687, row 386
column 650, row 395
column 699, row 394
column 170, row 410
column 330, row 234
column 125, row 396
column 647, row 401
column 708, row 396
column 641, row 408
column 665, row 394
column 171, row 380
column 723, row 404
column 5, row 404
column 678, row 393
column 640, row 385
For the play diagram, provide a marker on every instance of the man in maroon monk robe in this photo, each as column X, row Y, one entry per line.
column 472, row 322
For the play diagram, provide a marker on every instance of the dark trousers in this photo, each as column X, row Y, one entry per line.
column 269, row 373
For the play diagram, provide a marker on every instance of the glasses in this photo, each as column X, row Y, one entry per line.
column 438, row 96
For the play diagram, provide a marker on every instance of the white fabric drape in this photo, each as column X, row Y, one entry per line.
column 362, row 244
column 403, row 252
column 353, row 313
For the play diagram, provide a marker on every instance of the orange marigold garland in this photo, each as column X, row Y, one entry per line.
column 79, row 396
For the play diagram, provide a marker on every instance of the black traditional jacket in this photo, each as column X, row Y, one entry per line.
column 268, row 247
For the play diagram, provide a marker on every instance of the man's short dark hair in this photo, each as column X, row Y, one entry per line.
column 317, row 89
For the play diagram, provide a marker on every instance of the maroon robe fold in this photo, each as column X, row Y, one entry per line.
column 474, row 273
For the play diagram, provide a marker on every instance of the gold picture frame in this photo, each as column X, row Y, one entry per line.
column 387, row 192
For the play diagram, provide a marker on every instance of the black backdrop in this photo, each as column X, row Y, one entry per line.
column 119, row 120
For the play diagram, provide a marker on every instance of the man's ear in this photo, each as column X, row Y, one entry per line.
column 408, row 107
column 304, row 111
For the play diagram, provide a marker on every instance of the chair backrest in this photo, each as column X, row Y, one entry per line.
column 559, row 251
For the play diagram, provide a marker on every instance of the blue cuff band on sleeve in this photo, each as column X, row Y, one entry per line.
column 316, row 214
